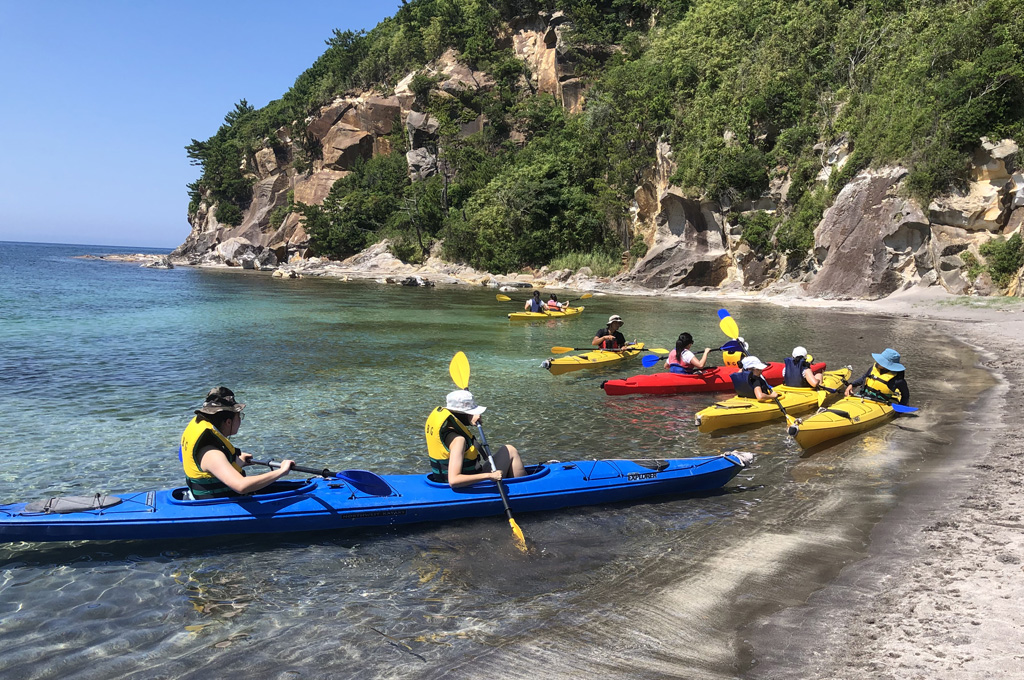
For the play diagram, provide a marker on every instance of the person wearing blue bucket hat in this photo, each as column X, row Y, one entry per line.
column 885, row 381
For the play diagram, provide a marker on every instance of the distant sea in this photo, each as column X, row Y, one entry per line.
column 101, row 364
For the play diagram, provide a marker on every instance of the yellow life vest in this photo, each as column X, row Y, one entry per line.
column 878, row 383
column 732, row 358
column 439, row 425
column 198, row 434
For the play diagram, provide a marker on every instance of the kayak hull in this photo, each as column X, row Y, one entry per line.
column 540, row 316
column 596, row 359
column 849, row 415
column 357, row 498
column 714, row 379
column 739, row 411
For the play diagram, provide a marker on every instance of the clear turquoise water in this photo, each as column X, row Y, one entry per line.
column 103, row 362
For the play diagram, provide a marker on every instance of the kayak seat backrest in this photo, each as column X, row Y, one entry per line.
column 437, row 477
column 366, row 482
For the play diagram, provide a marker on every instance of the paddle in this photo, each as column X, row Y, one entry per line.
column 505, row 298
column 627, row 348
column 790, row 420
column 731, row 346
column 459, row 370
column 273, row 464
column 728, row 325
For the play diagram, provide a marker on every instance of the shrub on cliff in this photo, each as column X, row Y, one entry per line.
column 1004, row 258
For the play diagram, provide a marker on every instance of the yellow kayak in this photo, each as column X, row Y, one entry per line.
column 849, row 415
column 739, row 411
column 535, row 316
column 596, row 359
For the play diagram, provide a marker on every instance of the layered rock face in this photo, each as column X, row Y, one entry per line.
column 356, row 127
column 872, row 241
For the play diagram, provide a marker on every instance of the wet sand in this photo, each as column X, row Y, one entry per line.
column 940, row 595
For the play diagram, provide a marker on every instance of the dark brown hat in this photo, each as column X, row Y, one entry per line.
column 219, row 399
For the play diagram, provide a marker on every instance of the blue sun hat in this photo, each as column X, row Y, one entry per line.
column 889, row 360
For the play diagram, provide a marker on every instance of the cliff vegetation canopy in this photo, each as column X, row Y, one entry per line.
column 743, row 90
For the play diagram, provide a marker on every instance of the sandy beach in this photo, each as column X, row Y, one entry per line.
column 940, row 594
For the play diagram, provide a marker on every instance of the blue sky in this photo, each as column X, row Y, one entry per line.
column 98, row 99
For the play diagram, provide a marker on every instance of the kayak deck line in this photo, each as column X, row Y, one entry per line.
column 360, row 498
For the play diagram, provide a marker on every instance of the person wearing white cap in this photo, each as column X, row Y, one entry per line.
column 750, row 383
column 609, row 337
column 453, row 452
column 796, row 372
column 885, row 380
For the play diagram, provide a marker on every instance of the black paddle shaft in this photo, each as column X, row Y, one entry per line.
column 273, row 464
column 490, row 459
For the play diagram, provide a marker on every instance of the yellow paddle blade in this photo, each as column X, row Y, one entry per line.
column 520, row 540
column 459, row 370
column 729, row 327
column 585, row 296
column 822, row 396
column 562, row 350
column 503, row 298
column 658, row 350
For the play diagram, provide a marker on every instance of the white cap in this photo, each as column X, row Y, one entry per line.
column 752, row 362
column 799, row 351
column 613, row 318
column 462, row 401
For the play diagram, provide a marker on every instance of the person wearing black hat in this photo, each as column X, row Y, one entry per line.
column 884, row 380
column 213, row 465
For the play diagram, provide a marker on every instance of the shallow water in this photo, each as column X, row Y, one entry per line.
column 103, row 363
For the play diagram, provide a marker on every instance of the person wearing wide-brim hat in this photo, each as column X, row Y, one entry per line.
column 454, row 453
column 885, row 381
column 609, row 337
column 214, row 467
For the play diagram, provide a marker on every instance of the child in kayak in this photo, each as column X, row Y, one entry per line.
column 884, row 379
column 750, row 383
column 535, row 304
column 213, row 465
column 609, row 337
column 453, row 451
column 682, row 359
column 554, row 305
column 797, row 370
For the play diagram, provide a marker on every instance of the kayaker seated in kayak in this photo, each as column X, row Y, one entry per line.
column 213, row 465
column 883, row 380
column 750, row 383
column 682, row 359
column 609, row 337
column 453, row 451
column 796, row 371
column 554, row 305
column 535, row 304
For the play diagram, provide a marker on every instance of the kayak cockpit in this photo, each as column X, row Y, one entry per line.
column 532, row 472
column 277, row 490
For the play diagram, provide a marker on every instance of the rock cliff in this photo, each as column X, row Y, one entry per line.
column 872, row 241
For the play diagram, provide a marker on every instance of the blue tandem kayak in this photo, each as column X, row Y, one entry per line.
column 358, row 498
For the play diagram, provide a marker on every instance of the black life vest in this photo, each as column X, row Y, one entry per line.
column 793, row 372
column 743, row 382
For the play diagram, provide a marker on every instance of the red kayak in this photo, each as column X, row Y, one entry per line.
column 714, row 379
